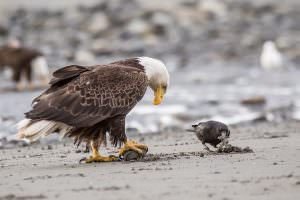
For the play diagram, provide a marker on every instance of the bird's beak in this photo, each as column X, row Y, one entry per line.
column 158, row 95
column 190, row 130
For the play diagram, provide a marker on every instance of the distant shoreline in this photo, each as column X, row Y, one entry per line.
column 9, row 5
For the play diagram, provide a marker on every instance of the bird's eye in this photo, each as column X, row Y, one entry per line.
column 164, row 87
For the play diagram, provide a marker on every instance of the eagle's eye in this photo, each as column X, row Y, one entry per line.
column 164, row 87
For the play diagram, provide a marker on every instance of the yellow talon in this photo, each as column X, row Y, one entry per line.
column 133, row 145
column 96, row 157
column 99, row 158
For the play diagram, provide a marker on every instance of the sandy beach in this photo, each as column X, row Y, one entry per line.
column 174, row 168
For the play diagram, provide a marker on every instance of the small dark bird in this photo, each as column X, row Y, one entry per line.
column 211, row 132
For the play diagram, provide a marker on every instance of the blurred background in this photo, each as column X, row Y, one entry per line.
column 221, row 66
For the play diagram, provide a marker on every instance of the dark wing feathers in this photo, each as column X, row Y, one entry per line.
column 90, row 95
column 66, row 73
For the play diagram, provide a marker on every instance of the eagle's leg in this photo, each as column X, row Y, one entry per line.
column 28, row 75
column 17, row 73
column 97, row 157
column 141, row 149
column 117, row 134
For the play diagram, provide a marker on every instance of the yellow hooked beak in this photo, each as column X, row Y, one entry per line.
column 158, row 95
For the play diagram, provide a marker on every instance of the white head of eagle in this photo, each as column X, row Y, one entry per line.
column 89, row 102
column 158, row 77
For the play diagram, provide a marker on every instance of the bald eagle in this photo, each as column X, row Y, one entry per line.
column 86, row 103
column 24, row 62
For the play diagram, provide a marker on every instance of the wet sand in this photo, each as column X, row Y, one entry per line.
column 176, row 167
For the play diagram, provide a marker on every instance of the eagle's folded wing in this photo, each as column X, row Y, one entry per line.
column 82, row 97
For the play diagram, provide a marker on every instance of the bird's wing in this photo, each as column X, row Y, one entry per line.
column 82, row 97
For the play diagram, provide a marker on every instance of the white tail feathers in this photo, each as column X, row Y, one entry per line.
column 40, row 67
column 27, row 129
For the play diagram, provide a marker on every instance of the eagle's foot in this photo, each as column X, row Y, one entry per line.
column 132, row 145
column 30, row 86
column 20, row 87
column 99, row 158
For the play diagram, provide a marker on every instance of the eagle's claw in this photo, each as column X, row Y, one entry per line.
column 132, row 151
column 100, row 158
